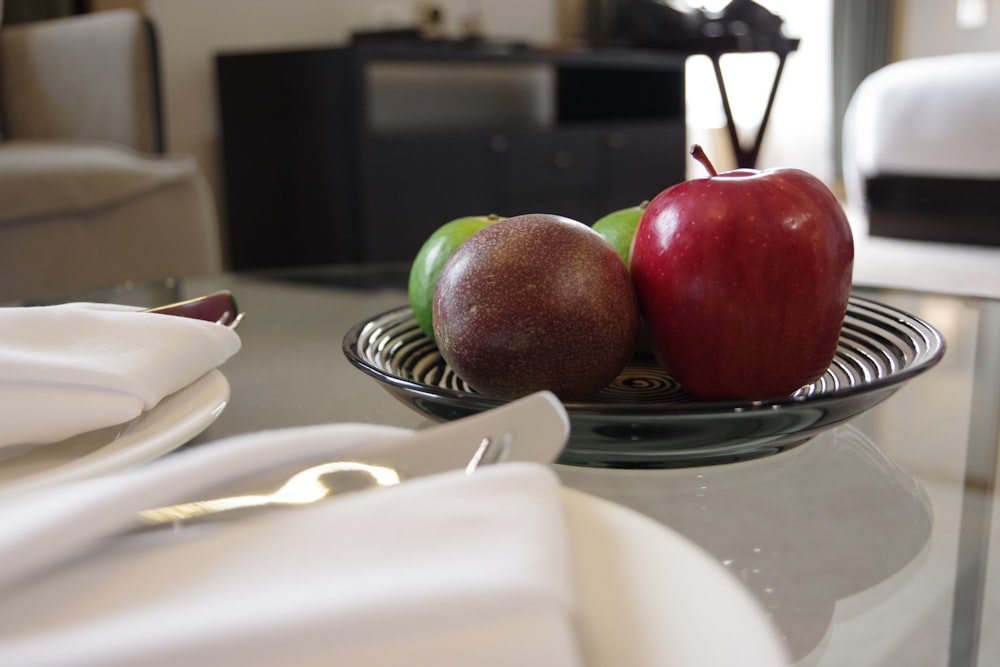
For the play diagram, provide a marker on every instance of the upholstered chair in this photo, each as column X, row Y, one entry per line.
column 88, row 197
column 922, row 149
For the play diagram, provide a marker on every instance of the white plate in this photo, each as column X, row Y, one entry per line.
column 652, row 597
column 173, row 422
column 648, row 597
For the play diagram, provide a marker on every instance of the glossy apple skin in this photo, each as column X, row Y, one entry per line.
column 743, row 280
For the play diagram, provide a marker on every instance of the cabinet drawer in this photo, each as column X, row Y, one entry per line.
column 413, row 184
column 557, row 160
column 642, row 160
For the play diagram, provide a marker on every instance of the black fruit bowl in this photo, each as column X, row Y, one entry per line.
column 644, row 419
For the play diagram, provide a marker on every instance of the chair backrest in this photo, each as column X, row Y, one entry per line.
column 93, row 76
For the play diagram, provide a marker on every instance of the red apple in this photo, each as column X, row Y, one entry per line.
column 743, row 280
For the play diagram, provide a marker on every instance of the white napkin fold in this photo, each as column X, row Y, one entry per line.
column 72, row 368
column 450, row 569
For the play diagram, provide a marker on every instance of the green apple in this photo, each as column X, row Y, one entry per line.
column 618, row 228
column 432, row 255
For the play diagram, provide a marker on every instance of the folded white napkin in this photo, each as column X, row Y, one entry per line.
column 72, row 368
column 449, row 569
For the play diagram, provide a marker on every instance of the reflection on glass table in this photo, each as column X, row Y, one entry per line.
column 878, row 539
column 805, row 530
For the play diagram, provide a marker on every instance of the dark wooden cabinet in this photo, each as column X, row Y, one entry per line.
column 414, row 184
column 310, row 177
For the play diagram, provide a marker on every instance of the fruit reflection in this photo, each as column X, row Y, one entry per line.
column 803, row 530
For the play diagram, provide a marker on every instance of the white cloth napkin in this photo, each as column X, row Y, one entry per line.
column 449, row 569
column 72, row 368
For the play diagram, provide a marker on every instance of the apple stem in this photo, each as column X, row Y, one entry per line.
column 699, row 154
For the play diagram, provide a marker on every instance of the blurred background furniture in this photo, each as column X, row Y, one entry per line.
column 741, row 26
column 357, row 154
column 922, row 149
column 88, row 195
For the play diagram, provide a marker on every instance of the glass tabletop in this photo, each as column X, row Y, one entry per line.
column 874, row 543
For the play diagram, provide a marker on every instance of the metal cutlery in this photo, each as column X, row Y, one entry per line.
column 220, row 307
column 534, row 428
column 312, row 485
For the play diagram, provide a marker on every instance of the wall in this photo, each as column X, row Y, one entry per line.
column 928, row 28
column 192, row 31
